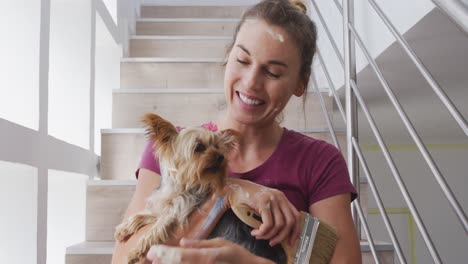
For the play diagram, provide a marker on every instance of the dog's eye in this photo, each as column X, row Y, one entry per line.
column 200, row 148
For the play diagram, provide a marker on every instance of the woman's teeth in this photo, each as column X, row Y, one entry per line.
column 248, row 100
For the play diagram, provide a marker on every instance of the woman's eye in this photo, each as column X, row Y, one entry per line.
column 200, row 148
column 242, row 62
column 272, row 75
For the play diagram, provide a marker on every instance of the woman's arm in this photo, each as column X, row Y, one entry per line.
column 336, row 211
column 211, row 251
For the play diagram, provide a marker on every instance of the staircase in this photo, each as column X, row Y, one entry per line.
column 174, row 68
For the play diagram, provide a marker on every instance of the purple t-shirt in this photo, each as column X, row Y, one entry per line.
column 305, row 169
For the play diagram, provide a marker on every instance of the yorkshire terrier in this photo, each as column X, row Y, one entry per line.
column 193, row 167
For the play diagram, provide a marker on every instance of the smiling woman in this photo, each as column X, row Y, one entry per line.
column 268, row 63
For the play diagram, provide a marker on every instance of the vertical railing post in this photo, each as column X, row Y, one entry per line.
column 351, row 103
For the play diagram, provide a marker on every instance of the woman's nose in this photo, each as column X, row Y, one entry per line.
column 251, row 78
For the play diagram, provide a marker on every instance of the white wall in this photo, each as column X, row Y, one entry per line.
column 441, row 223
column 46, row 153
column 403, row 14
column 69, row 71
column 19, row 66
column 108, row 55
column 112, row 8
column 66, row 213
column 18, row 223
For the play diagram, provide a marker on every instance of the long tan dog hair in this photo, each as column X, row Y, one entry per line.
column 193, row 166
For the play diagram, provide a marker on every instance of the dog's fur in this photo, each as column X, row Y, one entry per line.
column 193, row 166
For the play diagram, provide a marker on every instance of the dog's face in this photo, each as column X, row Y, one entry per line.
column 193, row 156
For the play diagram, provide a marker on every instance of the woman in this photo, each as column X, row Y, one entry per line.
column 270, row 61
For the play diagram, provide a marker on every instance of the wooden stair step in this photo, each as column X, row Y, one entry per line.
column 148, row 11
column 183, row 46
column 186, row 26
column 195, row 108
column 101, row 253
column 122, row 149
column 171, row 73
column 106, row 203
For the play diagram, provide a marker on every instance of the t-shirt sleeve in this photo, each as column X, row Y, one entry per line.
column 330, row 175
column 148, row 160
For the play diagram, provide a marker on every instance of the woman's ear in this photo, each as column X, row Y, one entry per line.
column 300, row 89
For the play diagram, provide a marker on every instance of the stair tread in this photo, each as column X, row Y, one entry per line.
column 142, row 130
column 181, row 37
column 188, row 20
column 107, row 247
column 161, row 59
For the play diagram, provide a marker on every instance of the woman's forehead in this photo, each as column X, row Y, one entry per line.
column 262, row 39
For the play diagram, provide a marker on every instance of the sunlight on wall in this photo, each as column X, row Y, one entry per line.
column 112, row 8
column 66, row 213
column 108, row 55
column 69, row 75
column 19, row 66
column 18, row 224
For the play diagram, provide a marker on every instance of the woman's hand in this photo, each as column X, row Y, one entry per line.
column 280, row 219
column 211, row 251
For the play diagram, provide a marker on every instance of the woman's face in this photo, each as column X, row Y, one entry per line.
column 262, row 73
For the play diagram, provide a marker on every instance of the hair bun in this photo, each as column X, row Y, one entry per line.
column 300, row 5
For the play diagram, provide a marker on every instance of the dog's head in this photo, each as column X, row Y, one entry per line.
column 194, row 156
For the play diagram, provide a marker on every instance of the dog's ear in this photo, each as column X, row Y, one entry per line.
column 230, row 138
column 159, row 129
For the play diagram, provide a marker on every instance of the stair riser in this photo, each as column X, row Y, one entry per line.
column 171, row 75
column 192, row 11
column 105, row 208
column 88, row 259
column 121, row 153
column 195, row 109
column 213, row 48
column 386, row 257
column 190, row 28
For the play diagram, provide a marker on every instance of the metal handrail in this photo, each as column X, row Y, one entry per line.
column 425, row 73
column 351, row 110
column 454, row 7
column 325, row 113
column 378, row 200
column 331, row 85
column 409, row 126
column 456, row 11
column 396, row 176
column 350, row 83
column 332, row 41
column 367, row 231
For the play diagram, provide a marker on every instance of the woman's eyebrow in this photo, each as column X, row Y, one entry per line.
column 275, row 62
column 243, row 48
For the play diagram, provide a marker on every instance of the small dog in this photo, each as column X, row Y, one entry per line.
column 193, row 167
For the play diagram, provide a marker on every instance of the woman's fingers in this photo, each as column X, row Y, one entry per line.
column 280, row 218
column 264, row 209
column 278, row 222
column 166, row 254
column 287, row 227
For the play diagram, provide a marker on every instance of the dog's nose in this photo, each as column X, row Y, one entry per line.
column 219, row 158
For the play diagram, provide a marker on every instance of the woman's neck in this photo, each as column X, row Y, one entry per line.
column 256, row 145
